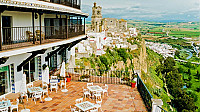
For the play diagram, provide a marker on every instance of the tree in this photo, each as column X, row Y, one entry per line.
column 198, row 74
column 177, row 53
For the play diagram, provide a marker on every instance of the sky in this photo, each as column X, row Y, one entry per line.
column 148, row 10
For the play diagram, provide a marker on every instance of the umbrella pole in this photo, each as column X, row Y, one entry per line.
column 64, row 90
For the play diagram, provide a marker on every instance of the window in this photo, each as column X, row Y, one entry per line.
column 5, row 84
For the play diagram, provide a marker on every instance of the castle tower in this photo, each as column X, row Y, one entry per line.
column 96, row 18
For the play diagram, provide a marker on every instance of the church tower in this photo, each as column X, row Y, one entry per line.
column 96, row 18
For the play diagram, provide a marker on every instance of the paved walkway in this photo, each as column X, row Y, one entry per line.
column 121, row 98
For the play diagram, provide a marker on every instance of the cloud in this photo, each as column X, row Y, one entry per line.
column 147, row 10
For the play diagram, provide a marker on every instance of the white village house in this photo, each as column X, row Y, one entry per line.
column 34, row 33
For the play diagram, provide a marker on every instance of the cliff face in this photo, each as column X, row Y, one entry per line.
column 140, row 62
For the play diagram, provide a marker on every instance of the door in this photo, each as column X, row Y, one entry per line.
column 6, row 26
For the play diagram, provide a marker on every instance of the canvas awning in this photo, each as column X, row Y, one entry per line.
column 42, row 5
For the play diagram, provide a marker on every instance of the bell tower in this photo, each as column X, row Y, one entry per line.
column 96, row 18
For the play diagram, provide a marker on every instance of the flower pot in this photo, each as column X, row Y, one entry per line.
column 68, row 79
column 133, row 85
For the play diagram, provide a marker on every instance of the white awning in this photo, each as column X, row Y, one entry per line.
column 42, row 5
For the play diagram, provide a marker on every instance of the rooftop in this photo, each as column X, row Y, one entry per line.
column 120, row 98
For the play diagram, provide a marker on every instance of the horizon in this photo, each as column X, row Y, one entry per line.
column 154, row 10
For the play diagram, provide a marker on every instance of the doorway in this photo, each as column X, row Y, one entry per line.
column 6, row 28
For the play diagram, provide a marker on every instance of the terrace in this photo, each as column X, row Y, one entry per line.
column 120, row 98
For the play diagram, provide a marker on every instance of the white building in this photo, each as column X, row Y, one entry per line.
column 34, row 33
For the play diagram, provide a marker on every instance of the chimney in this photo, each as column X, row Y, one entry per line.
column 95, row 4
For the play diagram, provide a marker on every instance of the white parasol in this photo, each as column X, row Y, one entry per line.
column 62, row 74
column 45, row 75
column 23, row 84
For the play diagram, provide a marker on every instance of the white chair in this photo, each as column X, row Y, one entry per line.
column 14, row 106
column 105, row 89
column 73, row 109
column 90, row 84
column 37, row 95
column 86, row 93
column 54, row 77
column 80, row 100
column 98, row 104
column 3, row 109
column 94, row 110
column 62, row 83
column 45, row 89
column 29, row 85
column 23, row 94
column 97, row 95
column 54, row 86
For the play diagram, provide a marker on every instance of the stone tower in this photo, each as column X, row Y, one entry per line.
column 96, row 18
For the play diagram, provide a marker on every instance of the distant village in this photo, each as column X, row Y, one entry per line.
column 104, row 33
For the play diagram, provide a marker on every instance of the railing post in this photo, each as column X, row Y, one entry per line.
column 33, row 24
column 84, row 26
column 0, row 34
column 40, row 21
column 157, row 105
column 67, row 26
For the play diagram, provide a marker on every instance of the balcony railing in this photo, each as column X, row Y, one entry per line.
column 71, row 3
column 13, row 37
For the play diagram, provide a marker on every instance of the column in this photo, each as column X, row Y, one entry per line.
column 84, row 25
column 157, row 105
column 33, row 24
column 40, row 21
column 0, row 34
column 67, row 26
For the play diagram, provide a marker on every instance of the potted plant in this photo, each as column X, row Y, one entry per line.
column 133, row 83
column 68, row 78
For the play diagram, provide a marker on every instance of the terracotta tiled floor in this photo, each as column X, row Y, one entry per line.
column 121, row 98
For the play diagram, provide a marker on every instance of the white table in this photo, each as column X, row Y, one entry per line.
column 84, row 106
column 94, row 88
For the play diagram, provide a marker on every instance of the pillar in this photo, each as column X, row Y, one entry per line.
column 157, row 105
column 33, row 24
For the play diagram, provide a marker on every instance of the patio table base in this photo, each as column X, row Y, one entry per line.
column 64, row 90
column 48, row 99
column 25, row 110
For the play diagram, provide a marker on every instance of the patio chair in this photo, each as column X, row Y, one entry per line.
column 45, row 89
column 62, row 83
column 37, row 32
column 3, row 109
column 37, row 95
column 80, row 100
column 90, row 84
column 14, row 106
column 22, row 95
column 98, row 104
column 29, row 35
column 73, row 109
column 97, row 95
column 105, row 89
column 54, row 77
column 54, row 86
column 86, row 93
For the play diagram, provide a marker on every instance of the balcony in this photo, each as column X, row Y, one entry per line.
column 16, row 37
column 71, row 3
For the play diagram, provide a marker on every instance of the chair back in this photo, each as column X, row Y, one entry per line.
column 29, row 85
column 54, row 77
column 23, row 94
column 54, row 85
column 90, row 84
column 38, row 93
column 79, row 100
column 3, row 109
column 44, row 86
column 106, row 86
